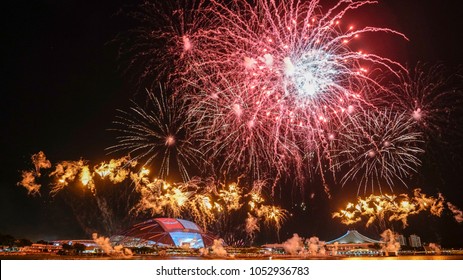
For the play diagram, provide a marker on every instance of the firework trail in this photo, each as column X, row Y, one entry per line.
column 231, row 125
column 105, row 244
column 165, row 43
column 293, row 46
column 158, row 196
column 269, row 89
column 384, row 209
column 116, row 170
column 380, row 148
column 28, row 182
column 458, row 214
column 432, row 97
column 40, row 161
column 390, row 243
column 290, row 79
column 28, row 177
column 66, row 172
column 265, row 82
column 159, row 134
column 252, row 227
column 209, row 202
column 429, row 94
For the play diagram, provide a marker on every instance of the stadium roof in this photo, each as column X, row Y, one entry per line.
column 353, row 237
column 165, row 232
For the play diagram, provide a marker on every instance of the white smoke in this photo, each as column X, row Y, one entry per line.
column 391, row 245
column 252, row 226
column 435, row 247
column 315, row 246
column 105, row 244
column 334, row 249
column 294, row 245
column 204, row 251
column 217, row 248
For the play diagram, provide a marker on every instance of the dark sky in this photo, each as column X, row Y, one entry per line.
column 61, row 86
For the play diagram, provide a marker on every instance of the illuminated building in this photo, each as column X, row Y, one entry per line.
column 401, row 239
column 164, row 232
column 414, row 241
column 41, row 248
column 90, row 245
column 353, row 243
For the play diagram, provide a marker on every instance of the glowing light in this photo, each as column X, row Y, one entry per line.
column 186, row 43
column 387, row 208
column 170, row 140
column 257, row 71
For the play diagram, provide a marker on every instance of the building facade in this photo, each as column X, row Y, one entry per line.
column 402, row 240
column 414, row 241
column 355, row 244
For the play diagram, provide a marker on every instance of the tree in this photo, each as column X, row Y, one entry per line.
column 44, row 242
column 67, row 247
column 79, row 247
column 7, row 240
column 23, row 242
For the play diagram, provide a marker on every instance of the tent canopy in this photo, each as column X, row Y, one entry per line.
column 353, row 237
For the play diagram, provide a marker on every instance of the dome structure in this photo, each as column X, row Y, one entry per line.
column 354, row 237
column 168, row 232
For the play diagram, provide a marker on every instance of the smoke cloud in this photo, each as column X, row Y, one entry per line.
column 252, row 226
column 293, row 245
column 391, row 245
column 217, row 248
column 105, row 244
column 315, row 246
column 435, row 248
column 40, row 161
column 28, row 182
column 457, row 213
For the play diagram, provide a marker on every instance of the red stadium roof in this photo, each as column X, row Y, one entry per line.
column 165, row 232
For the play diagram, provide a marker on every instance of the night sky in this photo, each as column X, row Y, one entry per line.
column 62, row 83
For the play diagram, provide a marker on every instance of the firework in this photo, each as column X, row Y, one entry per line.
column 390, row 243
column 380, row 148
column 252, row 226
column 40, row 161
column 265, row 82
column 28, row 177
column 384, row 209
column 457, row 213
column 159, row 133
column 164, row 44
column 293, row 46
column 209, row 202
column 28, row 182
column 289, row 81
column 428, row 94
column 117, row 170
column 160, row 197
column 65, row 172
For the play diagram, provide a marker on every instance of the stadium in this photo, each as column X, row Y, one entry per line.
column 164, row 232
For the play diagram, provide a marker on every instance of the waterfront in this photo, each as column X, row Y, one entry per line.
column 195, row 257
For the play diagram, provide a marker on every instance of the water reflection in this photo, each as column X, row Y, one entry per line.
column 152, row 257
